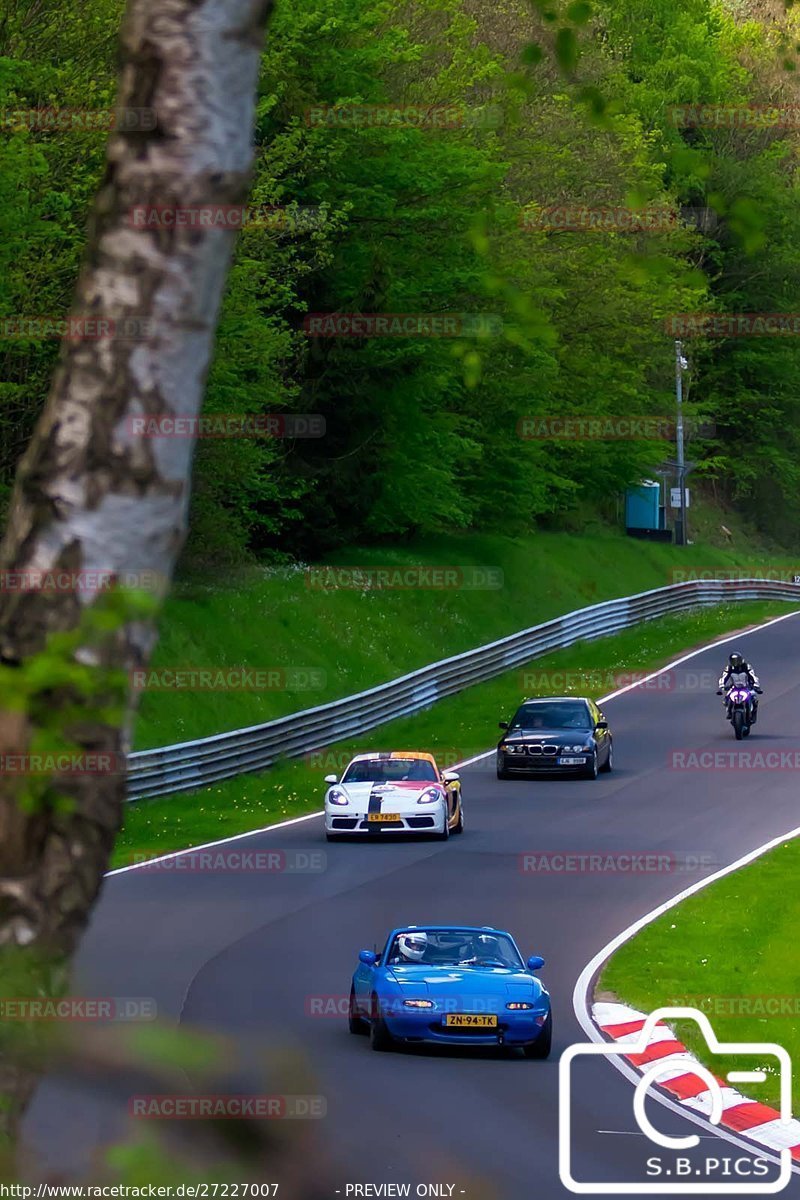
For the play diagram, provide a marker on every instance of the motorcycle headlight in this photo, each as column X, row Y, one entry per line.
column 430, row 796
column 337, row 797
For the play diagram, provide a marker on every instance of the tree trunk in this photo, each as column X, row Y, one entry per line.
column 91, row 495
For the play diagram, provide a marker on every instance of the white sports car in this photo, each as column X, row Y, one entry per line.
column 395, row 792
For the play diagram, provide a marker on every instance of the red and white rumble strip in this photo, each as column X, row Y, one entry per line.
column 757, row 1122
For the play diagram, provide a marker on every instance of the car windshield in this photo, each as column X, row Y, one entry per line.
column 455, row 947
column 390, row 770
column 553, row 714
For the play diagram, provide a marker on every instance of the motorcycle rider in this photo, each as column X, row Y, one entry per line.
column 739, row 674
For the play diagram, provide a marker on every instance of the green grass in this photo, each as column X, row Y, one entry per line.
column 454, row 729
column 721, row 950
column 271, row 619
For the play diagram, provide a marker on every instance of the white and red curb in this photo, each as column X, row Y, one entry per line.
column 755, row 1121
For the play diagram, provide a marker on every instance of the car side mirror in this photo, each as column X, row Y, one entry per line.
column 503, row 724
column 331, row 779
column 367, row 957
column 535, row 962
column 450, row 776
column 601, row 725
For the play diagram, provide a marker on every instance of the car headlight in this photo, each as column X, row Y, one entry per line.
column 430, row 796
column 418, row 1003
column 577, row 749
column 517, row 1004
column 513, row 749
column 337, row 797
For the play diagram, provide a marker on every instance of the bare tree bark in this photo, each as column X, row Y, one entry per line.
column 92, row 497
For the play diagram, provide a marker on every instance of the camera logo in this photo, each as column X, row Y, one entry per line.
column 652, row 1031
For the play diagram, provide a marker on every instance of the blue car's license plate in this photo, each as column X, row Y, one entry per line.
column 471, row 1020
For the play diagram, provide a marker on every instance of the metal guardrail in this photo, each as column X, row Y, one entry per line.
column 191, row 765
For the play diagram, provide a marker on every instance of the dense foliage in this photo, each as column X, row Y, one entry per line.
column 554, row 106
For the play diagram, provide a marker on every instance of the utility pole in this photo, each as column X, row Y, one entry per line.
column 680, row 363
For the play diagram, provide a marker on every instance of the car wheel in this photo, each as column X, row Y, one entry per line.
column 460, row 824
column 354, row 1022
column 501, row 773
column 445, row 834
column 542, row 1046
column 609, row 763
column 593, row 770
column 379, row 1036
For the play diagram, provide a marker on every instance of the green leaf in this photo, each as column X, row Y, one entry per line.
column 532, row 54
column 566, row 47
column 579, row 12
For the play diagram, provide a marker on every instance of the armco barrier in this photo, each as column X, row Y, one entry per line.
column 191, row 765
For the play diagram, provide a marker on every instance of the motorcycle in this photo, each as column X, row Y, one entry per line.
column 741, row 711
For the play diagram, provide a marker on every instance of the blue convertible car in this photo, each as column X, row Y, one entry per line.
column 451, row 985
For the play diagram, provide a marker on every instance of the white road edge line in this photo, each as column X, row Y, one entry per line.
column 466, row 763
column 580, row 996
column 208, row 845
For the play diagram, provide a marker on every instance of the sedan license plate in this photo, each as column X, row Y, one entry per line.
column 383, row 817
column 570, row 762
column 471, row 1020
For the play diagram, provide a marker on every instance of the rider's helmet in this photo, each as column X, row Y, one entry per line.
column 735, row 660
column 413, row 945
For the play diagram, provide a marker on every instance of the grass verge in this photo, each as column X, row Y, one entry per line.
column 732, row 952
column 454, row 729
column 315, row 645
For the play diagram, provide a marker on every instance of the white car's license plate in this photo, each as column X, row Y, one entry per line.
column 570, row 762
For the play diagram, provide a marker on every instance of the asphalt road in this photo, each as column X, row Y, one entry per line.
column 247, row 953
